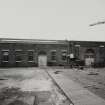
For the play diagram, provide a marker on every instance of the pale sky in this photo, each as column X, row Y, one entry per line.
column 52, row 19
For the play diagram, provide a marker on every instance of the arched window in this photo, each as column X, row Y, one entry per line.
column 42, row 53
column 89, row 53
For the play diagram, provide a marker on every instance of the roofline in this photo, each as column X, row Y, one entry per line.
column 86, row 41
column 34, row 41
column 29, row 39
column 17, row 39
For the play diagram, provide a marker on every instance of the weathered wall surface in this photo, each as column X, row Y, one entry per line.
column 78, row 48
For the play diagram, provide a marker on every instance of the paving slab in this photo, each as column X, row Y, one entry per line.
column 75, row 92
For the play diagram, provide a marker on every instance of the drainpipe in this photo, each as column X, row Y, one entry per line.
column 71, row 54
column 68, row 55
column 68, row 52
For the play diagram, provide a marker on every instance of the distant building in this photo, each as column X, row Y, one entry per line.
column 92, row 53
column 28, row 52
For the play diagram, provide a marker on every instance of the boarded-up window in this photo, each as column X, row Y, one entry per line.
column 101, row 50
column 5, row 56
column 30, row 55
column 18, row 55
column 76, row 52
column 64, row 55
column 53, row 55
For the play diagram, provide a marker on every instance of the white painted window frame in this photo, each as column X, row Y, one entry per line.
column 5, row 50
column 62, row 51
column 51, row 55
column 33, row 54
column 20, row 51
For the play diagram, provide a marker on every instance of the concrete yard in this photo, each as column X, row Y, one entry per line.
column 89, row 78
column 52, row 86
column 75, row 90
column 29, row 86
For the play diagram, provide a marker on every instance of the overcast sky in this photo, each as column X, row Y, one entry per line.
column 52, row 19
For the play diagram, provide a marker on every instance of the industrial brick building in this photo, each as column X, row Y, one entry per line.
column 16, row 52
column 28, row 52
column 90, row 52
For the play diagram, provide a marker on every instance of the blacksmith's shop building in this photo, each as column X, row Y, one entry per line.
column 30, row 52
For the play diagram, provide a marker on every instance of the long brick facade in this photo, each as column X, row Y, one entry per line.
column 21, row 52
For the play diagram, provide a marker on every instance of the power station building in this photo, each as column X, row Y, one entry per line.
column 30, row 52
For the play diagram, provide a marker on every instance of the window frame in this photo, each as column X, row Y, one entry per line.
column 54, row 60
column 18, row 50
column 28, row 55
column 62, row 52
column 3, row 51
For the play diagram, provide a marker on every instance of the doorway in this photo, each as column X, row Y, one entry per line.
column 89, row 57
column 42, row 59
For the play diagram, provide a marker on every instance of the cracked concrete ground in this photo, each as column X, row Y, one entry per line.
column 90, row 78
column 29, row 86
